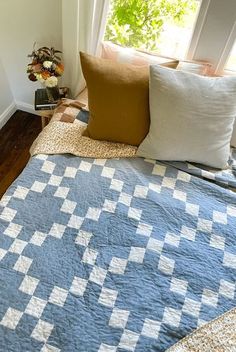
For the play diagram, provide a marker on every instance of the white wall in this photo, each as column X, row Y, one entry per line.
column 7, row 104
column 22, row 22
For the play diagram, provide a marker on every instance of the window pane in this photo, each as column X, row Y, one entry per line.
column 231, row 64
column 162, row 26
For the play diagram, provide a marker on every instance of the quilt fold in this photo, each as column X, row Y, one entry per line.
column 62, row 138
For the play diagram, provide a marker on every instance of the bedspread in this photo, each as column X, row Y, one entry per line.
column 112, row 255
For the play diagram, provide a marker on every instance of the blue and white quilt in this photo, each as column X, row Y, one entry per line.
column 112, row 255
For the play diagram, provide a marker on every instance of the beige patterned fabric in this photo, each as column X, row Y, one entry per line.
column 62, row 137
column 66, row 110
column 217, row 336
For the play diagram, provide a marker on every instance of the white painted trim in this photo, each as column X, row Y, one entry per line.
column 227, row 50
column 26, row 107
column 201, row 18
column 7, row 113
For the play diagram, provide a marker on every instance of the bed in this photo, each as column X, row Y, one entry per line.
column 114, row 254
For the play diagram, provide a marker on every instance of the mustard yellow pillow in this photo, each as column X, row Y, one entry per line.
column 118, row 99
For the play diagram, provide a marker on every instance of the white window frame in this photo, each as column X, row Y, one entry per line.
column 227, row 45
column 214, row 34
column 226, row 53
column 200, row 20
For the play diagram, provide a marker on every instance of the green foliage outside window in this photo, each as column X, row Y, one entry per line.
column 139, row 23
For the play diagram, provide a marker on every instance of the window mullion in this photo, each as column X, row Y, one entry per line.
column 198, row 28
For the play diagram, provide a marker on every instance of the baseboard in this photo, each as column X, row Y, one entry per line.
column 5, row 116
column 11, row 109
column 26, row 107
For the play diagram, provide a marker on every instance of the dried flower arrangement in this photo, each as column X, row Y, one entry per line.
column 46, row 66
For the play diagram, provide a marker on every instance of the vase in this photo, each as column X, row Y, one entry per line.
column 53, row 94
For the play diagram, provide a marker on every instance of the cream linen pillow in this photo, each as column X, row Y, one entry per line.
column 192, row 117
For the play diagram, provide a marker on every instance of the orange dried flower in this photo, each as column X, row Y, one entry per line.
column 45, row 74
column 59, row 69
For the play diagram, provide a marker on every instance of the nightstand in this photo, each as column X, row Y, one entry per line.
column 41, row 101
column 46, row 116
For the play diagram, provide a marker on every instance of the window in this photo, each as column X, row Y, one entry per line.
column 162, row 26
column 231, row 63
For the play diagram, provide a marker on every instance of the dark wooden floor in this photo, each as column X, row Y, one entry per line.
column 16, row 138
